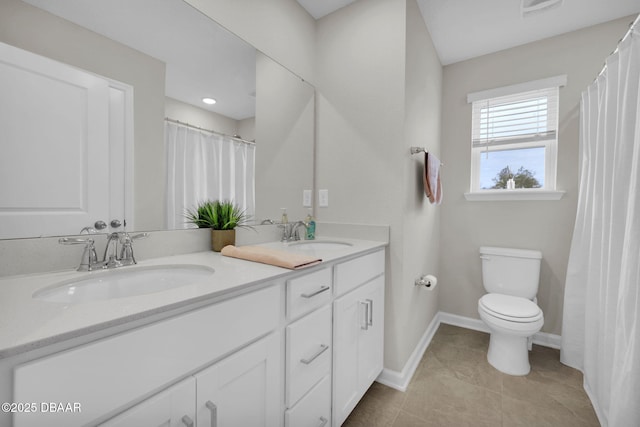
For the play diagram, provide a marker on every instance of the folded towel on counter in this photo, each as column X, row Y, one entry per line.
column 432, row 184
column 270, row 256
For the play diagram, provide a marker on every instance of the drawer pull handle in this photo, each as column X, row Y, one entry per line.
column 187, row 421
column 323, row 421
column 365, row 325
column 368, row 314
column 323, row 348
column 214, row 412
column 313, row 294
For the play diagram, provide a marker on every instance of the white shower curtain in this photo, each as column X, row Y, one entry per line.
column 206, row 166
column 601, row 325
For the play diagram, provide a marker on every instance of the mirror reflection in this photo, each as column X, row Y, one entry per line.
column 154, row 61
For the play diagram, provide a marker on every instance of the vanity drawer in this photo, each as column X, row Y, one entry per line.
column 351, row 274
column 314, row 410
column 308, row 292
column 308, row 353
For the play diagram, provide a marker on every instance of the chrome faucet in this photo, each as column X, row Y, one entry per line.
column 290, row 231
column 294, row 229
column 111, row 258
column 114, row 258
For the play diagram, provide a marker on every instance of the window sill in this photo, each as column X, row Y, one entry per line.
column 513, row 195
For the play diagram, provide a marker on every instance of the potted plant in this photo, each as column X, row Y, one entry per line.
column 222, row 217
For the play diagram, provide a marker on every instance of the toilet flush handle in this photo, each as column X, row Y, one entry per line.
column 485, row 257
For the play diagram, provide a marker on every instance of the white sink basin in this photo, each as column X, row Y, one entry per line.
column 123, row 282
column 321, row 244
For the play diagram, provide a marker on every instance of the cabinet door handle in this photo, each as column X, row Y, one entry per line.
column 323, row 348
column 187, row 421
column 323, row 422
column 370, row 312
column 313, row 294
column 214, row 412
column 365, row 325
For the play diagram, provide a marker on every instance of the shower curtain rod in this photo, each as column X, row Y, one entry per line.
column 185, row 124
column 632, row 27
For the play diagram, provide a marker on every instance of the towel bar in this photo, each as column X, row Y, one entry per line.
column 416, row 150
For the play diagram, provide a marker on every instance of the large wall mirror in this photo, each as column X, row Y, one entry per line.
column 160, row 59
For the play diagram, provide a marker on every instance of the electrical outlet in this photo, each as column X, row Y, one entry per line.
column 323, row 198
column 306, row 198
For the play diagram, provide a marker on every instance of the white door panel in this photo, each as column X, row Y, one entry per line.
column 55, row 119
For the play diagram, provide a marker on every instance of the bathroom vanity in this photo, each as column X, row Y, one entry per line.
column 252, row 345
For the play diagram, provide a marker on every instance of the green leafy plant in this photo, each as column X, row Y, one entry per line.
column 217, row 215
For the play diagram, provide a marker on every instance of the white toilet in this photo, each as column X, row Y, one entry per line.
column 511, row 277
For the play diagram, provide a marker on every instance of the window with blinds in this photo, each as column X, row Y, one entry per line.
column 524, row 117
column 514, row 138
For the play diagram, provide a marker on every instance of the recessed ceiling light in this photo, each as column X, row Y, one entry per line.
column 530, row 7
column 209, row 101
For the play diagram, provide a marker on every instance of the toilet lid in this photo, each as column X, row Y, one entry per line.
column 508, row 306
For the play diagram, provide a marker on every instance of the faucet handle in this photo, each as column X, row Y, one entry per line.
column 75, row 241
column 89, row 256
column 126, row 253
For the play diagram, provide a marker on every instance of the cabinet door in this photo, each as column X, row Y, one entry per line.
column 370, row 344
column 173, row 407
column 358, row 345
column 245, row 389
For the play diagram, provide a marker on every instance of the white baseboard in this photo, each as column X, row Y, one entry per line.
column 400, row 380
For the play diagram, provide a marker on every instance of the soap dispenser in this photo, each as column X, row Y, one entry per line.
column 285, row 218
column 311, row 226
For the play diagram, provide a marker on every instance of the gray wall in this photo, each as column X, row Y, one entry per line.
column 543, row 225
column 378, row 80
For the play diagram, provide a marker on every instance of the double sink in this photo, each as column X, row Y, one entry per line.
column 141, row 280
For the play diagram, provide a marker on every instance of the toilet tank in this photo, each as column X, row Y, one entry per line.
column 511, row 271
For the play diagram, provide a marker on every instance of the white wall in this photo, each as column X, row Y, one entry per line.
column 378, row 81
column 543, row 225
column 247, row 129
column 200, row 117
column 415, row 307
column 285, row 139
column 281, row 29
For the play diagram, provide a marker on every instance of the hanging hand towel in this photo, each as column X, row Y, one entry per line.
column 432, row 184
column 270, row 256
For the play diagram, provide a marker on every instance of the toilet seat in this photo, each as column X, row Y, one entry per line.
column 510, row 308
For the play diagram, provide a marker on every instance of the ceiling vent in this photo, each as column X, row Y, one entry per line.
column 532, row 7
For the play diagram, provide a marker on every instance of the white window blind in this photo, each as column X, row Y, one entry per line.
column 519, row 118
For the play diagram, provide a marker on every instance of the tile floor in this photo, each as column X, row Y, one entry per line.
column 454, row 385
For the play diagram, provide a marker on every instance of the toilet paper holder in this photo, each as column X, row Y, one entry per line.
column 427, row 280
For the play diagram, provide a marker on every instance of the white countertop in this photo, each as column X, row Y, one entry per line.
column 27, row 323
